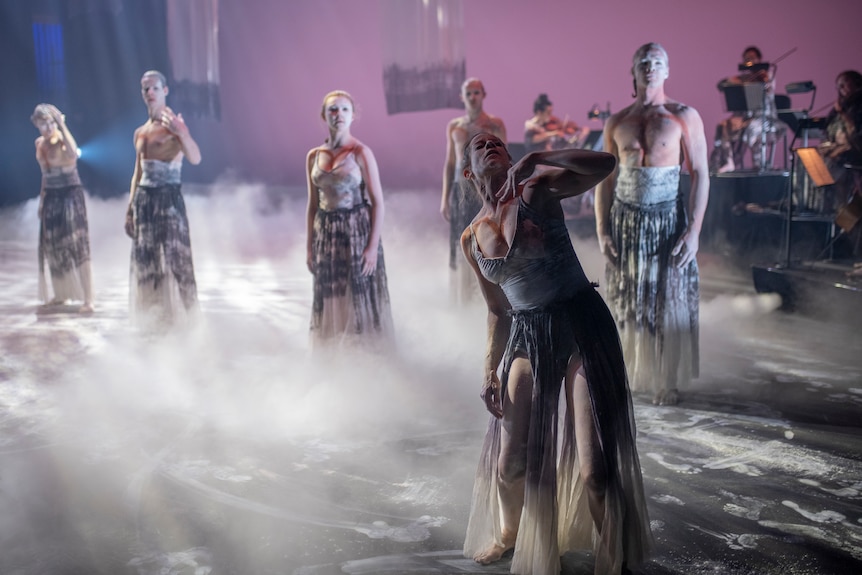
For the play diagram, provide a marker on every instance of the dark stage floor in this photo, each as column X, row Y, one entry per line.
column 224, row 450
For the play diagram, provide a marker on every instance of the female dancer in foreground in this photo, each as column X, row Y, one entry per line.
column 345, row 216
column 64, row 236
column 548, row 325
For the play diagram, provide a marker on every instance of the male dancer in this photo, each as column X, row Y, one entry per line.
column 459, row 204
column 647, row 236
column 162, row 282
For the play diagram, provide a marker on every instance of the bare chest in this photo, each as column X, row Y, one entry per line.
column 157, row 143
column 58, row 153
column 654, row 139
column 464, row 131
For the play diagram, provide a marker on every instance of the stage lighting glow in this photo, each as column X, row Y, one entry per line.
column 111, row 152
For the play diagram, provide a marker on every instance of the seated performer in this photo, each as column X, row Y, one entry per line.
column 544, row 131
column 837, row 147
column 162, row 278
column 743, row 131
column 64, row 236
column 842, row 151
column 548, row 331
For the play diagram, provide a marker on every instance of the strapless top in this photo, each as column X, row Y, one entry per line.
column 61, row 177
column 155, row 173
column 340, row 188
column 541, row 266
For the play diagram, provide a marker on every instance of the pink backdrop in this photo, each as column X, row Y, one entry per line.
column 279, row 58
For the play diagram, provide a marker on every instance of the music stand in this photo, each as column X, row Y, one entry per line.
column 742, row 98
column 810, row 207
column 749, row 98
column 816, row 176
column 815, row 166
column 794, row 120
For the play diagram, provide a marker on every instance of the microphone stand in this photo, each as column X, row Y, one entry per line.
column 804, row 125
column 763, row 128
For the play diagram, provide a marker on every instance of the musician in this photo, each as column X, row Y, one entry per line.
column 842, row 151
column 544, row 131
column 843, row 122
column 743, row 130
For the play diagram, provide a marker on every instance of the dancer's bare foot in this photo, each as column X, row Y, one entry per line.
column 666, row 397
column 495, row 552
column 728, row 167
column 86, row 308
column 490, row 555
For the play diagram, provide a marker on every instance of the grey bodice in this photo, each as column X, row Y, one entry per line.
column 647, row 185
column 61, row 177
column 340, row 188
column 541, row 267
column 155, row 173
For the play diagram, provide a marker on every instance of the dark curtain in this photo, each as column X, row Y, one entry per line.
column 109, row 45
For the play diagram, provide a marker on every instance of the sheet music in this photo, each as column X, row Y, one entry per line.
column 815, row 166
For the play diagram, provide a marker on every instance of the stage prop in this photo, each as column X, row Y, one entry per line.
column 423, row 55
column 192, row 27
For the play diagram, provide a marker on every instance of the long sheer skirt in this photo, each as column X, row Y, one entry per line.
column 64, row 246
column 654, row 302
column 464, row 204
column 556, row 516
column 162, row 276
column 347, row 306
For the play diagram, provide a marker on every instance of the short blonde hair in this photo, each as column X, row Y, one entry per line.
column 337, row 94
column 472, row 80
column 156, row 74
column 642, row 51
column 41, row 111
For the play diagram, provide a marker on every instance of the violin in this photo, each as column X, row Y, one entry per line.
column 565, row 127
column 850, row 213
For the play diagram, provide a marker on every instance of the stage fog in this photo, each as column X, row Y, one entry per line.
column 227, row 447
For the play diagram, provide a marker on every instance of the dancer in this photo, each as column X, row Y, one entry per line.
column 344, row 222
column 548, row 328
column 458, row 204
column 64, row 236
column 162, row 278
column 646, row 235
